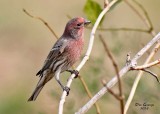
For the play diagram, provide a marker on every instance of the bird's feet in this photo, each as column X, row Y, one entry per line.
column 67, row 89
column 74, row 72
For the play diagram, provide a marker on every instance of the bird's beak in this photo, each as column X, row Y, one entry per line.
column 87, row 22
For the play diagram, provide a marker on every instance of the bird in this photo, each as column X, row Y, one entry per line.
column 64, row 53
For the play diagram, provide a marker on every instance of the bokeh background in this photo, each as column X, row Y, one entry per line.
column 25, row 43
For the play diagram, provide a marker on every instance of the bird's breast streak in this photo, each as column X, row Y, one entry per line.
column 75, row 49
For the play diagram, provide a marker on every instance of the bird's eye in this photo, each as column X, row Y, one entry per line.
column 79, row 24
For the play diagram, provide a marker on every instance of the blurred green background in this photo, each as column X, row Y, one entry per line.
column 25, row 43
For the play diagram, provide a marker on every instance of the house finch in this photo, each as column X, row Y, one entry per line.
column 65, row 52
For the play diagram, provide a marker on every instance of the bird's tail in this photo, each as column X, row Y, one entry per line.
column 37, row 90
column 35, row 93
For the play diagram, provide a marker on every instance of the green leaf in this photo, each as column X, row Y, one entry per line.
column 92, row 10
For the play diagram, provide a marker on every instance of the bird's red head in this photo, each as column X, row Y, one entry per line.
column 75, row 27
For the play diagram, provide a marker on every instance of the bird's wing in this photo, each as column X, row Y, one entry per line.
column 56, row 50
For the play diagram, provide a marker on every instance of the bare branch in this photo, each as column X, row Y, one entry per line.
column 123, row 71
column 139, row 77
column 110, row 91
column 148, row 23
column 152, row 74
column 106, row 2
column 89, row 93
column 121, row 29
column 146, row 65
column 146, row 20
column 43, row 21
column 117, row 72
column 146, row 15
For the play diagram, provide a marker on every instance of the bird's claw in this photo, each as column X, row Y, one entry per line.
column 67, row 89
column 74, row 72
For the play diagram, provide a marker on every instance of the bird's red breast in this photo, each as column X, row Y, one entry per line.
column 75, row 49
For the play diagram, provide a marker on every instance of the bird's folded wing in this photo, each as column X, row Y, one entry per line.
column 56, row 51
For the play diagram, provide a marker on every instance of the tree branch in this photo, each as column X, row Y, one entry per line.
column 117, row 73
column 106, row 2
column 146, row 20
column 152, row 74
column 146, row 65
column 89, row 93
column 110, row 91
column 122, row 29
column 148, row 23
column 43, row 21
column 138, row 78
column 114, row 80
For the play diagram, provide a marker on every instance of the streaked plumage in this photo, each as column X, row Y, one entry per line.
column 65, row 52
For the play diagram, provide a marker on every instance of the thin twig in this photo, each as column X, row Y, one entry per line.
column 146, row 15
column 148, row 23
column 113, row 81
column 106, row 2
column 110, row 91
column 42, row 20
column 89, row 93
column 152, row 74
column 146, row 65
column 122, row 29
column 128, row 102
column 122, row 71
column 146, row 20
column 116, row 70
